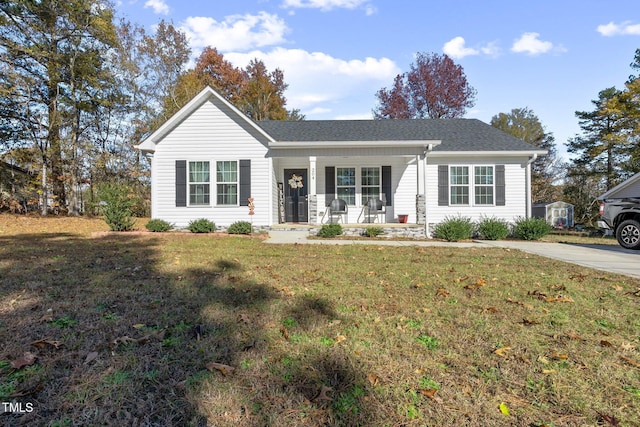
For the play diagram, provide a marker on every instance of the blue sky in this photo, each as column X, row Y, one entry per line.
column 550, row 56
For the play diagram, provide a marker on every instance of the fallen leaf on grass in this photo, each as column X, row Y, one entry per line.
column 91, row 357
column 139, row 325
column 340, row 338
column 429, row 392
column 559, row 356
column 560, row 298
column 502, row 351
column 47, row 343
column 442, row 293
column 27, row 359
column 322, row 395
column 504, row 408
column 630, row 361
column 221, row 367
column 604, row 343
column 609, row 419
column 284, row 332
column 374, row 380
column 548, row 371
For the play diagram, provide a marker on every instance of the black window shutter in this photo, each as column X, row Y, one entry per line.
column 500, row 186
column 386, row 185
column 181, row 183
column 329, row 184
column 443, row 185
column 245, row 182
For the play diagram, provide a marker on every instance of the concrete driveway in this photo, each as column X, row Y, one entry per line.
column 610, row 258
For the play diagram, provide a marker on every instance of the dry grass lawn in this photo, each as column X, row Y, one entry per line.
column 176, row 329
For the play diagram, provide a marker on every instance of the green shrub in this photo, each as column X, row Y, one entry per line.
column 158, row 225
column 374, row 231
column 493, row 228
column 240, row 227
column 454, row 229
column 531, row 228
column 330, row 230
column 116, row 205
column 201, row 225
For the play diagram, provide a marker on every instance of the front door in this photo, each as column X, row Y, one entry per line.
column 295, row 193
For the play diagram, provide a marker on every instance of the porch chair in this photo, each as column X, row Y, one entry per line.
column 338, row 208
column 375, row 208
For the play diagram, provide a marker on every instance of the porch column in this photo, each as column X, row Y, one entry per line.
column 312, row 191
column 421, row 187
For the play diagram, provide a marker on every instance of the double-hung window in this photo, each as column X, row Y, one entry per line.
column 199, row 186
column 483, row 188
column 227, row 182
column 370, row 184
column 459, row 185
column 346, row 185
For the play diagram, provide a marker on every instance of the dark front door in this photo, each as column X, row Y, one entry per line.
column 295, row 193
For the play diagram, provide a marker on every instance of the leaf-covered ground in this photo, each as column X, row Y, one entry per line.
column 180, row 329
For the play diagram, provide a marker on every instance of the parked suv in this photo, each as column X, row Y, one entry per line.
column 623, row 217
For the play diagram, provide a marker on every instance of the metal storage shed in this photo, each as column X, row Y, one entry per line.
column 557, row 214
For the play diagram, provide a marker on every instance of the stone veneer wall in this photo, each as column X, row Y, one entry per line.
column 421, row 209
column 390, row 232
column 313, row 208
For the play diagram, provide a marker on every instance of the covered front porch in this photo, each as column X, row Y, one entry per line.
column 382, row 185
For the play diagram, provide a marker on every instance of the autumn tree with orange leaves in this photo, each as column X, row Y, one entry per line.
column 254, row 90
column 435, row 87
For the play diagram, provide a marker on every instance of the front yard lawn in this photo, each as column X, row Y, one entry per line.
column 181, row 329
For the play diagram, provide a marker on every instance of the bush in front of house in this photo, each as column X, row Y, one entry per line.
column 201, row 225
column 116, row 205
column 492, row 228
column 531, row 228
column 158, row 225
column 373, row 231
column 330, row 230
column 454, row 229
column 240, row 227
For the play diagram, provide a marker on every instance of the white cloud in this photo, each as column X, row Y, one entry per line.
column 236, row 32
column 491, row 49
column 318, row 81
column 456, row 49
column 624, row 29
column 327, row 5
column 530, row 44
column 158, row 6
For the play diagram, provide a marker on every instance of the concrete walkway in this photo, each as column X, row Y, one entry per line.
column 610, row 258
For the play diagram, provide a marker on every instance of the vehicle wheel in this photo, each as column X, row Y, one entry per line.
column 628, row 234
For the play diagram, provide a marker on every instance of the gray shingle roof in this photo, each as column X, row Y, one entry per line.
column 455, row 134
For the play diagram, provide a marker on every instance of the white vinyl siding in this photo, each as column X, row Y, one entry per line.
column 515, row 190
column 210, row 134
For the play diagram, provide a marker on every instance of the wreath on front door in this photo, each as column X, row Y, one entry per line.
column 296, row 181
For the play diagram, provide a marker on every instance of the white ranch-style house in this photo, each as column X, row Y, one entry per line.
column 209, row 159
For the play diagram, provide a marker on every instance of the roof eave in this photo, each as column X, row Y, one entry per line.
column 352, row 144
column 510, row 153
column 620, row 186
column 149, row 144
